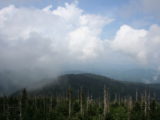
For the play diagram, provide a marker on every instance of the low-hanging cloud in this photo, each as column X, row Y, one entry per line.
column 32, row 38
column 46, row 40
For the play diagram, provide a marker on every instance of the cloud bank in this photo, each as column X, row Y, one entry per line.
column 48, row 39
column 139, row 43
column 32, row 38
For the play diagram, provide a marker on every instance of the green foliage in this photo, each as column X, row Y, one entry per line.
column 118, row 113
column 26, row 107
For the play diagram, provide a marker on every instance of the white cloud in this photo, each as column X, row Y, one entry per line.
column 49, row 39
column 130, row 41
column 84, row 43
column 139, row 43
column 46, row 38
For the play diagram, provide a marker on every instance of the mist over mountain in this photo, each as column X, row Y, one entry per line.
column 92, row 85
column 136, row 75
column 11, row 82
column 43, row 41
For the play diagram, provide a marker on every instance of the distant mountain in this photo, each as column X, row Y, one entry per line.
column 93, row 85
column 6, row 83
column 136, row 75
column 11, row 81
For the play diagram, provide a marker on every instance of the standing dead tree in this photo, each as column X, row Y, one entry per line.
column 69, row 102
column 81, row 101
column 106, row 102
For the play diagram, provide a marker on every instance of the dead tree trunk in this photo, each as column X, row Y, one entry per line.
column 145, row 103
column 20, row 110
column 136, row 96
column 115, row 98
column 106, row 102
column 69, row 102
column 130, row 105
column 81, row 101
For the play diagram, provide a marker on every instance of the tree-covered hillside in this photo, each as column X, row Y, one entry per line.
column 93, row 84
column 69, row 107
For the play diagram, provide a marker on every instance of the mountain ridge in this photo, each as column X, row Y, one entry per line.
column 93, row 84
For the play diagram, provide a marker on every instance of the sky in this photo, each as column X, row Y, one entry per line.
column 50, row 37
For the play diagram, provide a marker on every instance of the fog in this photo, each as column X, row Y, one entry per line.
column 37, row 44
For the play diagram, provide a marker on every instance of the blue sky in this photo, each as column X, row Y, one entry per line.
column 124, row 11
